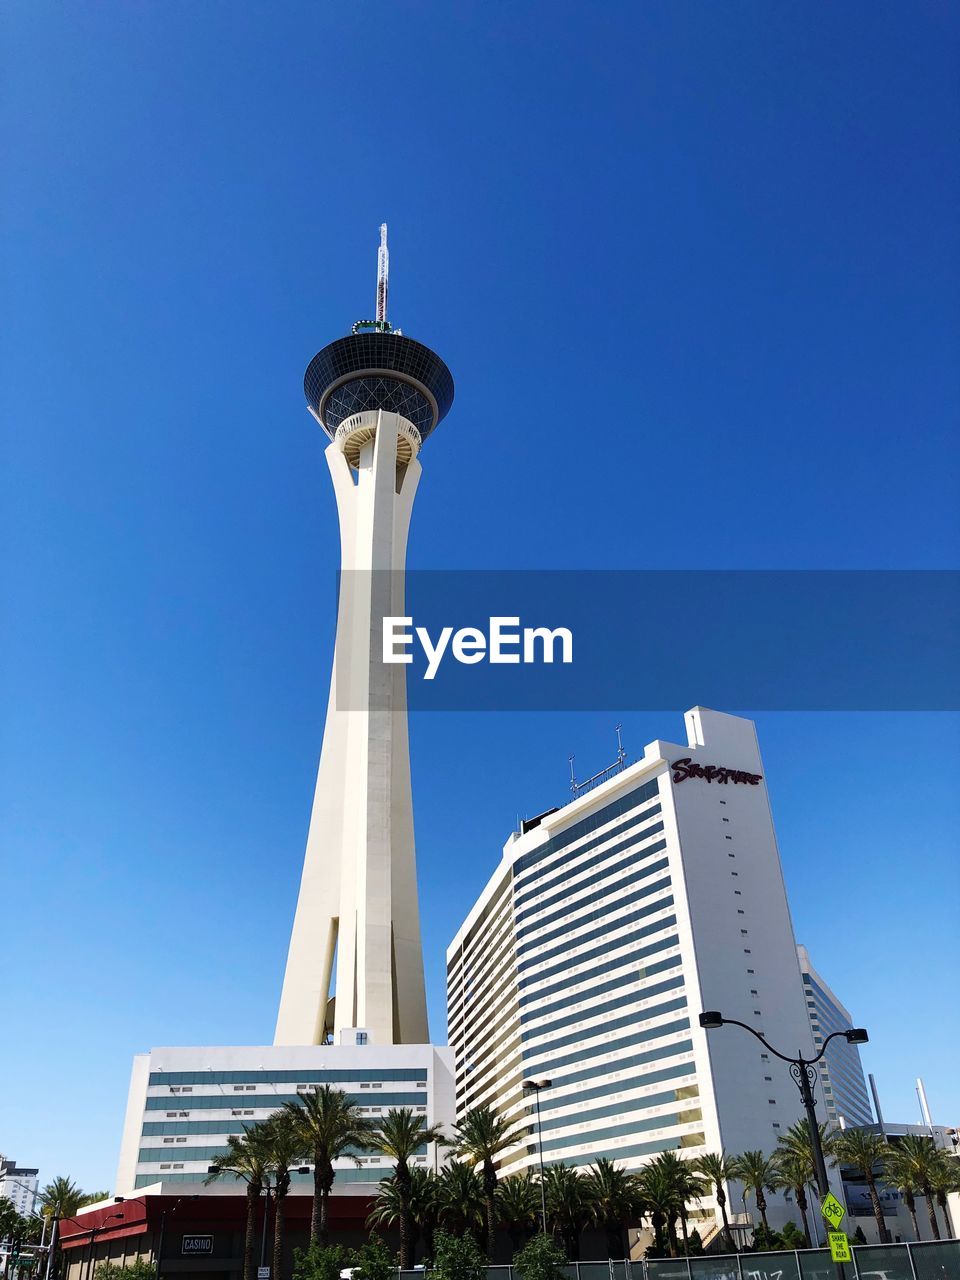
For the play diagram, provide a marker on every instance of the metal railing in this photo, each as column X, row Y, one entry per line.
column 929, row 1260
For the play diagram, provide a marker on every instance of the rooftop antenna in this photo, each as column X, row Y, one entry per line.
column 383, row 276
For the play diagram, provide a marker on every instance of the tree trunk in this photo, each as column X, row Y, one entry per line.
column 278, row 1235
column 912, row 1209
column 802, row 1206
column 722, row 1202
column 249, row 1239
column 877, row 1208
column 762, row 1206
column 615, row 1247
column 489, row 1195
column 671, row 1237
column 317, row 1198
column 932, row 1213
column 323, row 1184
column 405, row 1260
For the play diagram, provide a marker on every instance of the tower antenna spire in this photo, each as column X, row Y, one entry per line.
column 383, row 275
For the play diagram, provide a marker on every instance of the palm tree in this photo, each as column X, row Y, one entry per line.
column 758, row 1173
column 914, row 1161
column 518, row 1206
column 865, row 1151
column 658, row 1192
column 902, row 1176
column 613, row 1199
column 284, row 1148
column 331, row 1127
column 390, row 1208
column 246, row 1158
column 61, row 1198
column 568, row 1209
column 424, row 1207
column 717, row 1170
column 687, row 1184
column 795, row 1170
column 401, row 1135
column 460, row 1199
column 479, row 1138
column 945, row 1182
column 795, row 1152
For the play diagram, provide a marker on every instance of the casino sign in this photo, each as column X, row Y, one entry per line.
column 687, row 768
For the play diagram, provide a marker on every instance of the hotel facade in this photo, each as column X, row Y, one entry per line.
column 606, row 928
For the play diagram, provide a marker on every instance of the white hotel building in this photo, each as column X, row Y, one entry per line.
column 607, row 927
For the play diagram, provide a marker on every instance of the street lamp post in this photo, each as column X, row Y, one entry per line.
column 94, row 1232
column 163, row 1222
column 535, row 1086
column 804, row 1073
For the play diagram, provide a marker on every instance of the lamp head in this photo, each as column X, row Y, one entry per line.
column 537, row 1084
column 857, row 1035
column 711, row 1019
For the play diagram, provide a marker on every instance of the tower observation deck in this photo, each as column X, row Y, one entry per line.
column 355, row 966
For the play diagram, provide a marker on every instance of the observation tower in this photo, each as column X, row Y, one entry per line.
column 355, row 965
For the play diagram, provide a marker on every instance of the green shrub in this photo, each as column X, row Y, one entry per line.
column 138, row 1269
column 373, row 1261
column 792, row 1237
column 764, row 1238
column 317, row 1262
column 540, row 1259
column 457, row 1258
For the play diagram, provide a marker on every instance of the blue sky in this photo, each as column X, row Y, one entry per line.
column 694, row 268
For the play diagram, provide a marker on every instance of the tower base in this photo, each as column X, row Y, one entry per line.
column 184, row 1102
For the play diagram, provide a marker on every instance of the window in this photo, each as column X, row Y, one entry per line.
column 361, row 1037
column 377, row 1084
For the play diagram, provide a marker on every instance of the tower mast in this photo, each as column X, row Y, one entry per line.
column 383, row 275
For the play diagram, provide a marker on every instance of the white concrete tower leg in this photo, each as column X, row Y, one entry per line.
column 358, row 891
column 410, row 1001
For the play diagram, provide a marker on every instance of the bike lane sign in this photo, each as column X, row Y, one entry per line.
column 832, row 1210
